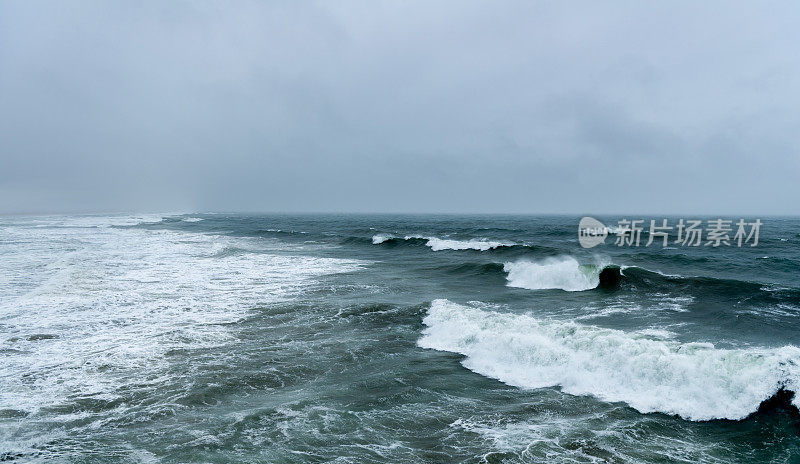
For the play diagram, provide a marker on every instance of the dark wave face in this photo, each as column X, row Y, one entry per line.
column 369, row 338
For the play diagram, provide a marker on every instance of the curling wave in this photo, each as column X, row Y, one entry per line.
column 693, row 380
column 564, row 272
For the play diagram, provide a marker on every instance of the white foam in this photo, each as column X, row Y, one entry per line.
column 618, row 306
column 657, row 333
column 439, row 244
column 192, row 219
column 694, row 380
column 564, row 273
column 113, row 302
column 481, row 244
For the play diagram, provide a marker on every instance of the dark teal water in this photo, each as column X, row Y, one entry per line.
column 368, row 338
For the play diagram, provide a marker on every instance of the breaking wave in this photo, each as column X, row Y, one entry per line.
column 439, row 244
column 564, row 272
column 381, row 238
column 693, row 380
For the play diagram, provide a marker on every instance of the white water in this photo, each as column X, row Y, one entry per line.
column 439, row 244
column 694, row 380
column 564, row 273
column 86, row 308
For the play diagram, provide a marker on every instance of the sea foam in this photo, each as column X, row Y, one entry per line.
column 89, row 308
column 696, row 381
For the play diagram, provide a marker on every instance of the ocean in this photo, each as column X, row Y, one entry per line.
column 392, row 338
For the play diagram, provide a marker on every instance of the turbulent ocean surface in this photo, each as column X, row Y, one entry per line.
column 368, row 338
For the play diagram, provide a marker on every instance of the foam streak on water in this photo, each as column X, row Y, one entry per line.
column 87, row 310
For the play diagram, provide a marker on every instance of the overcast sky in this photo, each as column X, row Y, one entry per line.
column 444, row 106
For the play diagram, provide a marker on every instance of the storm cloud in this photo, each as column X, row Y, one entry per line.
column 454, row 106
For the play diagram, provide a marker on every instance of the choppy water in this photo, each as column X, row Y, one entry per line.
column 230, row 338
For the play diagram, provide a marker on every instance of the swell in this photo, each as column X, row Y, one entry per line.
column 567, row 273
column 719, row 288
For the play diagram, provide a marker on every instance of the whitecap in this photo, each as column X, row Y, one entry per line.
column 439, row 244
column 482, row 244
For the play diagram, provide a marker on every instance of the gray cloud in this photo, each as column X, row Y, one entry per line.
column 675, row 107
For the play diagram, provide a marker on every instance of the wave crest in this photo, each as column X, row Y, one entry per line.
column 562, row 272
column 439, row 244
column 693, row 380
column 380, row 238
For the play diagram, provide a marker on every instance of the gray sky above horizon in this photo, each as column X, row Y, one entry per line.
column 370, row 106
